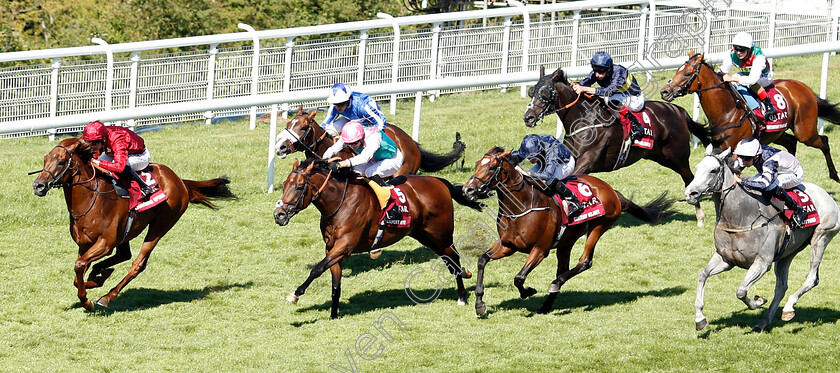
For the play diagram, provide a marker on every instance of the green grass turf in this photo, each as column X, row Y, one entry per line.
column 211, row 298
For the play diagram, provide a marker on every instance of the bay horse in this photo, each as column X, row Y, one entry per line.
column 302, row 133
column 98, row 217
column 751, row 234
column 350, row 219
column 729, row 121
column 530, row 222
column 595, row 137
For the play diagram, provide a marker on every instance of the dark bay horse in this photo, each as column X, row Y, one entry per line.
column 302, row 133
column 350, row 219
column 595, row 137
column 529, row 222
column 750, row 234
column 98, row 217
column 729, row 122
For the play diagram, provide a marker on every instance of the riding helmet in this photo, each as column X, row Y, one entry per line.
column 340, row 93
column 748, row 147
column 743, row 39
column 601, row 59
column 93, row 131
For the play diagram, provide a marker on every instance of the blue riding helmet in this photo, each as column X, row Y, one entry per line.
column 602, row 60
column 530, row 148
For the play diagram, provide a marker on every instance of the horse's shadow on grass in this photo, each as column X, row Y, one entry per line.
column 587, row 300
column 142, row 298
column 746, row 319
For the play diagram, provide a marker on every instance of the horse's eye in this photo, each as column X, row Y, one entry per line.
column 299, row 187
column 62, row 162
column 687, row 75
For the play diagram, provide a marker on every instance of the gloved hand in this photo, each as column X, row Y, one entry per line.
column 333, row 166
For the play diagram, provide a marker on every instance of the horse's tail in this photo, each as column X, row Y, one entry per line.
column 828, row 111
column 703, row 133
column 657, row 209
column 457, row 193
column 431, row 162
column 201, row 191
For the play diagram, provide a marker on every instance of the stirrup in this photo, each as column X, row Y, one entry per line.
column 574, row 209
column 798, row 218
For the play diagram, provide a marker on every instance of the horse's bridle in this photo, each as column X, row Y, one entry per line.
column 552, row 108
column 683, row 90
column 484, row 188
column 299, row 203
column 299, row 139
column 55, row 183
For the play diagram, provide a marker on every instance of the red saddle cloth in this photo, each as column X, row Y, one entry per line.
column 592, row 206
column 134, row 192
column 646, row 140
column 400, row 202
column 776, row 122
column 804, row 200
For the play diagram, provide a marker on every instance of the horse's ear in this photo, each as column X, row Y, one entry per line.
column 542, row 71
column 709, row 149
column 506, row 154
column 557, row 75
column 296, row 164
column 300, row 110
column 691, row 53
column 725, row 153
column 312, row 114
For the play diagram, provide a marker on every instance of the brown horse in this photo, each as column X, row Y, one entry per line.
column 595, row 137
column 98, row 217
column 350, row 219
column 302, row 133
column 730, row 122
column 529, row 222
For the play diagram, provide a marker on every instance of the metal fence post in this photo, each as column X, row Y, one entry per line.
column 211, row 79
column 56, row 64
column 395, row 66
column 287, row 72
column 132, row 85
column 526, row 39
column 362, row 53
column 506, row 49
column 435, row 52
column 109, row 74
column 255, row 70
column 272, row 138
column 418, row 105
column 575, row 33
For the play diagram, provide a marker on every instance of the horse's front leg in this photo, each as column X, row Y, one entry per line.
column 497, row 251
column 333, row 256
column 100, row 249
column 103, row 269
column 782, row 269
column 716, row 265
column 535, row 257
column 335, row 270
column 757, row 269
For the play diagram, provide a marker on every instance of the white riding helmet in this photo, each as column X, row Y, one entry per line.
column 748, row 147
column 743, row 39
column 340, row 92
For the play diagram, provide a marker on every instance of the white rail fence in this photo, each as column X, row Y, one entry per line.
column 141, row 81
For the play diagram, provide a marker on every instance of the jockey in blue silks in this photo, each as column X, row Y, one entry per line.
column 778, row 170
column 619, row 86
column 553, row 162
column 347, row 105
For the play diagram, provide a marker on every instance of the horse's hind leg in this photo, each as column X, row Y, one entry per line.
column 103, row 269
column 782, row 269
column 585, row 261
column 818, row 246
column 137, row 266
column 788, row 141
column 814, row 140
column 716, row 265
column 564, row 251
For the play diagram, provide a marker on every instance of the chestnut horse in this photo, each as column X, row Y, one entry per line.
column 98, row 217
column 529, row 222
column 730, row 122
column 350, row 219
column 302, row 133
column 595, row 137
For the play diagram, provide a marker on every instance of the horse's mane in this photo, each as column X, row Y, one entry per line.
column 497, row 149
column 322, row 166
column 82, row 148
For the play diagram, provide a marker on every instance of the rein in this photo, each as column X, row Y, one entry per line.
column 718, row 189
column 299, row 202
column 501, row 186
column 299, row 139
column 55, row 182
column 683, row 89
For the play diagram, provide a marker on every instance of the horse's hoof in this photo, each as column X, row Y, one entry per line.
column 759, row 301
column 88, row 305
column 466, row 273
column 375, row 253
column 699, row 325
column 543, row 311
column 292, row 298
column 700, row 223
column 788, row 315
column 553, row 288
column 461, row 302
column 757, row 329
column 480, row 309
column 103, row 302
column 529, row 291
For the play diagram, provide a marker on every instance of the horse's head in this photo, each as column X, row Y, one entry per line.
column 544, row 96
column 299, row 135
column 489, row 171
column 61, row 165
column 685, row 79
column 299, row 189
column 710, row 174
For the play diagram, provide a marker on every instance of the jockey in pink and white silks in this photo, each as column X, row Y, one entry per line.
column 748, row 56
column 778, row 170
column 347, row 105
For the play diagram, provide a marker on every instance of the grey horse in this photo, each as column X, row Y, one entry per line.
column 750, row 234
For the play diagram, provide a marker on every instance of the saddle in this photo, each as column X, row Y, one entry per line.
column 591, row 205
column 132, row 190
column 802, row 199
column 775, row 123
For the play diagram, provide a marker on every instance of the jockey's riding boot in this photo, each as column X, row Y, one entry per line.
column 636, row 130
column 799, row 214
column 770, row 109
column 575, row 207
column 119, row 188
column 145, row 190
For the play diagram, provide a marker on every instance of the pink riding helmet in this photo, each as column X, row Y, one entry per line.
column 352, row 132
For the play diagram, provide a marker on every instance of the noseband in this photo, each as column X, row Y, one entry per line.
column 55, row 182
column 683, row 90
column 299, row 204
column 484, row 189
column 299, row 139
